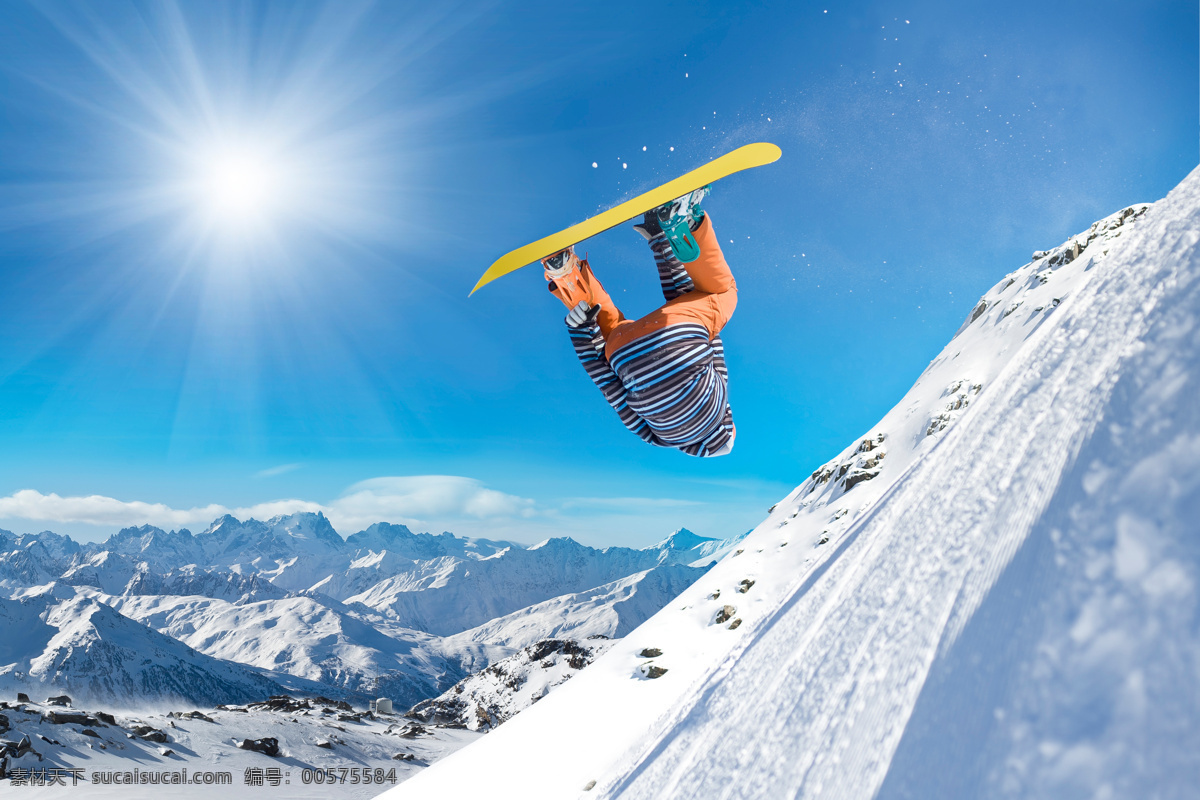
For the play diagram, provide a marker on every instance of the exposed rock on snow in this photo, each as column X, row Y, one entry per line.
column 148, row 734
column 958, row 396
column 290, row 731
column 189, row 715
column 283, row 702
column 852, row 469
column 488, row 698
column 266, row 745
column 411, row 731
column 725, row 614
column 72, row 717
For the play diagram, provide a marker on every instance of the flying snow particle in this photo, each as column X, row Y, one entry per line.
column 672, row 149
column 624, row 165
column 594, row 165
column 643, row 148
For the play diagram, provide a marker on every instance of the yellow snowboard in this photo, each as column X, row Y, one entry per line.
column 751, row 155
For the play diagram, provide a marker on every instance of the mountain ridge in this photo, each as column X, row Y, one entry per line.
column 290, row 598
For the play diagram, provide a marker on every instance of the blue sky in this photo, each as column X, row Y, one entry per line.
column 236, row 239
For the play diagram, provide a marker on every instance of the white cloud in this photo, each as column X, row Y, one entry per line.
column 96, row 509
column 274, row 508
column 424, row 503
column 282, row 469
column 415, row 499
column 411, row 500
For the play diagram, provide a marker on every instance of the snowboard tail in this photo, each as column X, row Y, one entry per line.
column 746, row 157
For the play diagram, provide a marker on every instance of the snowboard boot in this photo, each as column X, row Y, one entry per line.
column 649, row 226
column 677, row 219
column 564, row 274
column 561, row 264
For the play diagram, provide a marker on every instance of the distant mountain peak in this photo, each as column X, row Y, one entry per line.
column 682, row 539
column 307, row 525
column 556, row 543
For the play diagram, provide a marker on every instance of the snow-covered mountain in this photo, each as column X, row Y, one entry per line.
column 290, row 597
column 62, row 642
column 404, row 543
column 312, row 638
column 611, row 610
column 31, row 564
column 192, row 580
column 465, row 594
column 382, row 567
column 61, row 548
column 991, row 593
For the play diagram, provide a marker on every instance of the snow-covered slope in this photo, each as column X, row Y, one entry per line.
column 29, row 565
column 498, row 693
column 319, row 641
column 993, row 593
column 192, row 580
column 362, row 753
column 611, row 610
column 60, row 547
column 58, row 641
column 323, row 641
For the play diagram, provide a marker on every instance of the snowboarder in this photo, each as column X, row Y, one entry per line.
column 664, row 374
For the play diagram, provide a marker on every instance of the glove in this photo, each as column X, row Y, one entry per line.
column 582, row 316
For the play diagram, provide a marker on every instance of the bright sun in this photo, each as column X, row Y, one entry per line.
column 240, row 186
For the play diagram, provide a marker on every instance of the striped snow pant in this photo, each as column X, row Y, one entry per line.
column 664, row 373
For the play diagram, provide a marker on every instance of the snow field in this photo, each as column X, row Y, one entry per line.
column 201, row 746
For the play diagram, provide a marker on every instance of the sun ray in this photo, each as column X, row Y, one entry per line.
column 243, row 165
